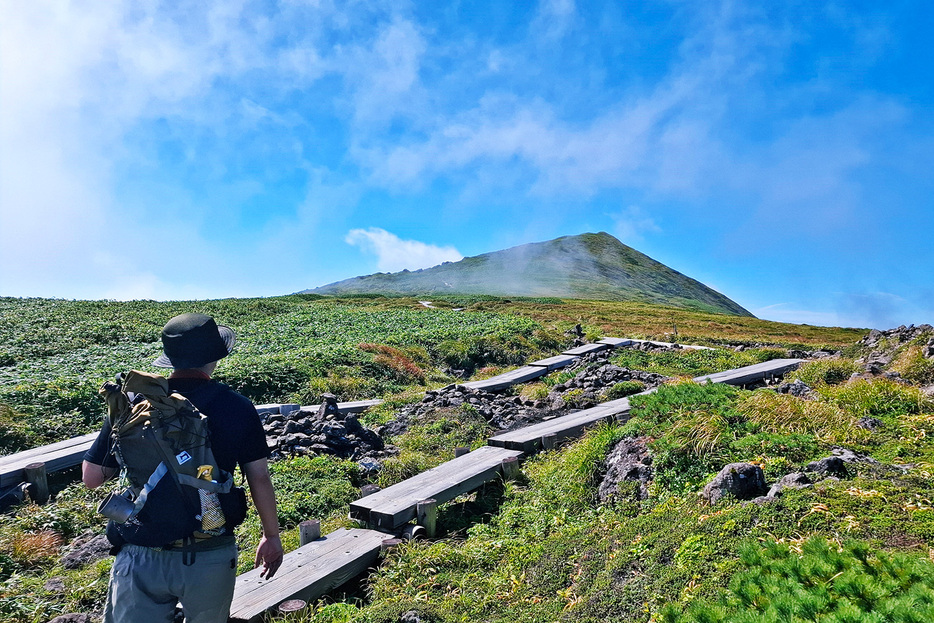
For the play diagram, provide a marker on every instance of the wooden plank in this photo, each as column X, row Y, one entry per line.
column 70, row 452
column 615, row 342
column 586, row 349
column 40, row 451
column 753, row 373
column 529, row 439
column 670, row 344
column 394, row 506
column 553, row 363
column 357, row 406
column 57, row 456
column 507, row 379
column 307, row 573
column 354, row 406
column 436, row 483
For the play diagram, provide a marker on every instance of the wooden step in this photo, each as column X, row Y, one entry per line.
column 556, row 362
column 752, row 374
column 508, row 379
column 394, row 506
column 586, row 349
column 56, row 456
column 529, row 439
column 307, row 573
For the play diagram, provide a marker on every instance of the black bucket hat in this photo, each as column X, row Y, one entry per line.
column 193, row 340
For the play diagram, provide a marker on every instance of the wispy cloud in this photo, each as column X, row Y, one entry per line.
column 631, row 223
column 394, row 254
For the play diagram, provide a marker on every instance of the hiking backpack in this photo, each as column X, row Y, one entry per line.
column 162, row 443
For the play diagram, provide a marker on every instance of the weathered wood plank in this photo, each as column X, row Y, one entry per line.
column 442, row 483
column 529, row 439
column 69, row 452
column 394, row 506
column 307, row 573
column 753, row 373
column 615, row 342
column 508, row 379
column 354, row 406
column 553, row 363
column 586, row 349
column 56, row 456
column 635, row 342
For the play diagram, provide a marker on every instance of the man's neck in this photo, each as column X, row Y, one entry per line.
column 190, row 373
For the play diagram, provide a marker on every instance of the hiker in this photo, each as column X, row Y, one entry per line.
column 146, row 583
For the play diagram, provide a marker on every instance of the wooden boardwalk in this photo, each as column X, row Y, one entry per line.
column 756, row 373
column 556, row 362
column 70, row 452
column 508, row 379
column 307, row 573
column 56, row 456
column 532, row 438
column 322, row 565
column 394, row 506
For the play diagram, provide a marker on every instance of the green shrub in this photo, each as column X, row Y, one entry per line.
column 824, row 372
column 623, row 389
column 693, row 426
column 267, row 380
column 432, row 440
column 914, row 367
column 533, row 391
column 778, row 453
column 784, row 413
column 876, row 397
column 343, row 383
column 821, row 581
column 14, row 434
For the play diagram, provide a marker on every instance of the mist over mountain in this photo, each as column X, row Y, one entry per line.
column 586, row 266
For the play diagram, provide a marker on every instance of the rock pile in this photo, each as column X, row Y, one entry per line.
column 882, row 345
column 796, row 388
column 327, row 431
column 508, row 412
column 588, row 385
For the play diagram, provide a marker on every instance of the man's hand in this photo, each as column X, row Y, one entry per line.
column 269, row 553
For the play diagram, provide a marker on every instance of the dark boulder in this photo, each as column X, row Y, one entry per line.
column 743, row 481
column 797, row 480
column 629, row 461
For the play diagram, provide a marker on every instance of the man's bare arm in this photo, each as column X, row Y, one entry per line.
column 94, row 475
column 269, row 551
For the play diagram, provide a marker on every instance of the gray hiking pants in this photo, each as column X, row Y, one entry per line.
column 146, row 584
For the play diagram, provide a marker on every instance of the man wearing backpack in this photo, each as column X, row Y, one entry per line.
column 147, row 582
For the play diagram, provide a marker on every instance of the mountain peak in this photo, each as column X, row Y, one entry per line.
column 586, row 266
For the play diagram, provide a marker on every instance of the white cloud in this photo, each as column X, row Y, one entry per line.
column 384, row 73
column 76, row 77
column 554, row 18
column 631, row 223
column 394, row 254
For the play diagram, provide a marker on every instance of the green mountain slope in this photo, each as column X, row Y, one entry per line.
column 587, row 266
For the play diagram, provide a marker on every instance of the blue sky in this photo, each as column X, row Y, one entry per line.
column 779, row 152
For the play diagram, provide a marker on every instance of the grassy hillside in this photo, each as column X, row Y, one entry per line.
column 588, row 266
column 857, row 547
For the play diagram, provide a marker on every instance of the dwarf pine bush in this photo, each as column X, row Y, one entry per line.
column 819, row 580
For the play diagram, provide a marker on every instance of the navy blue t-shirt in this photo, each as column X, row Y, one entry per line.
column 237, row 435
